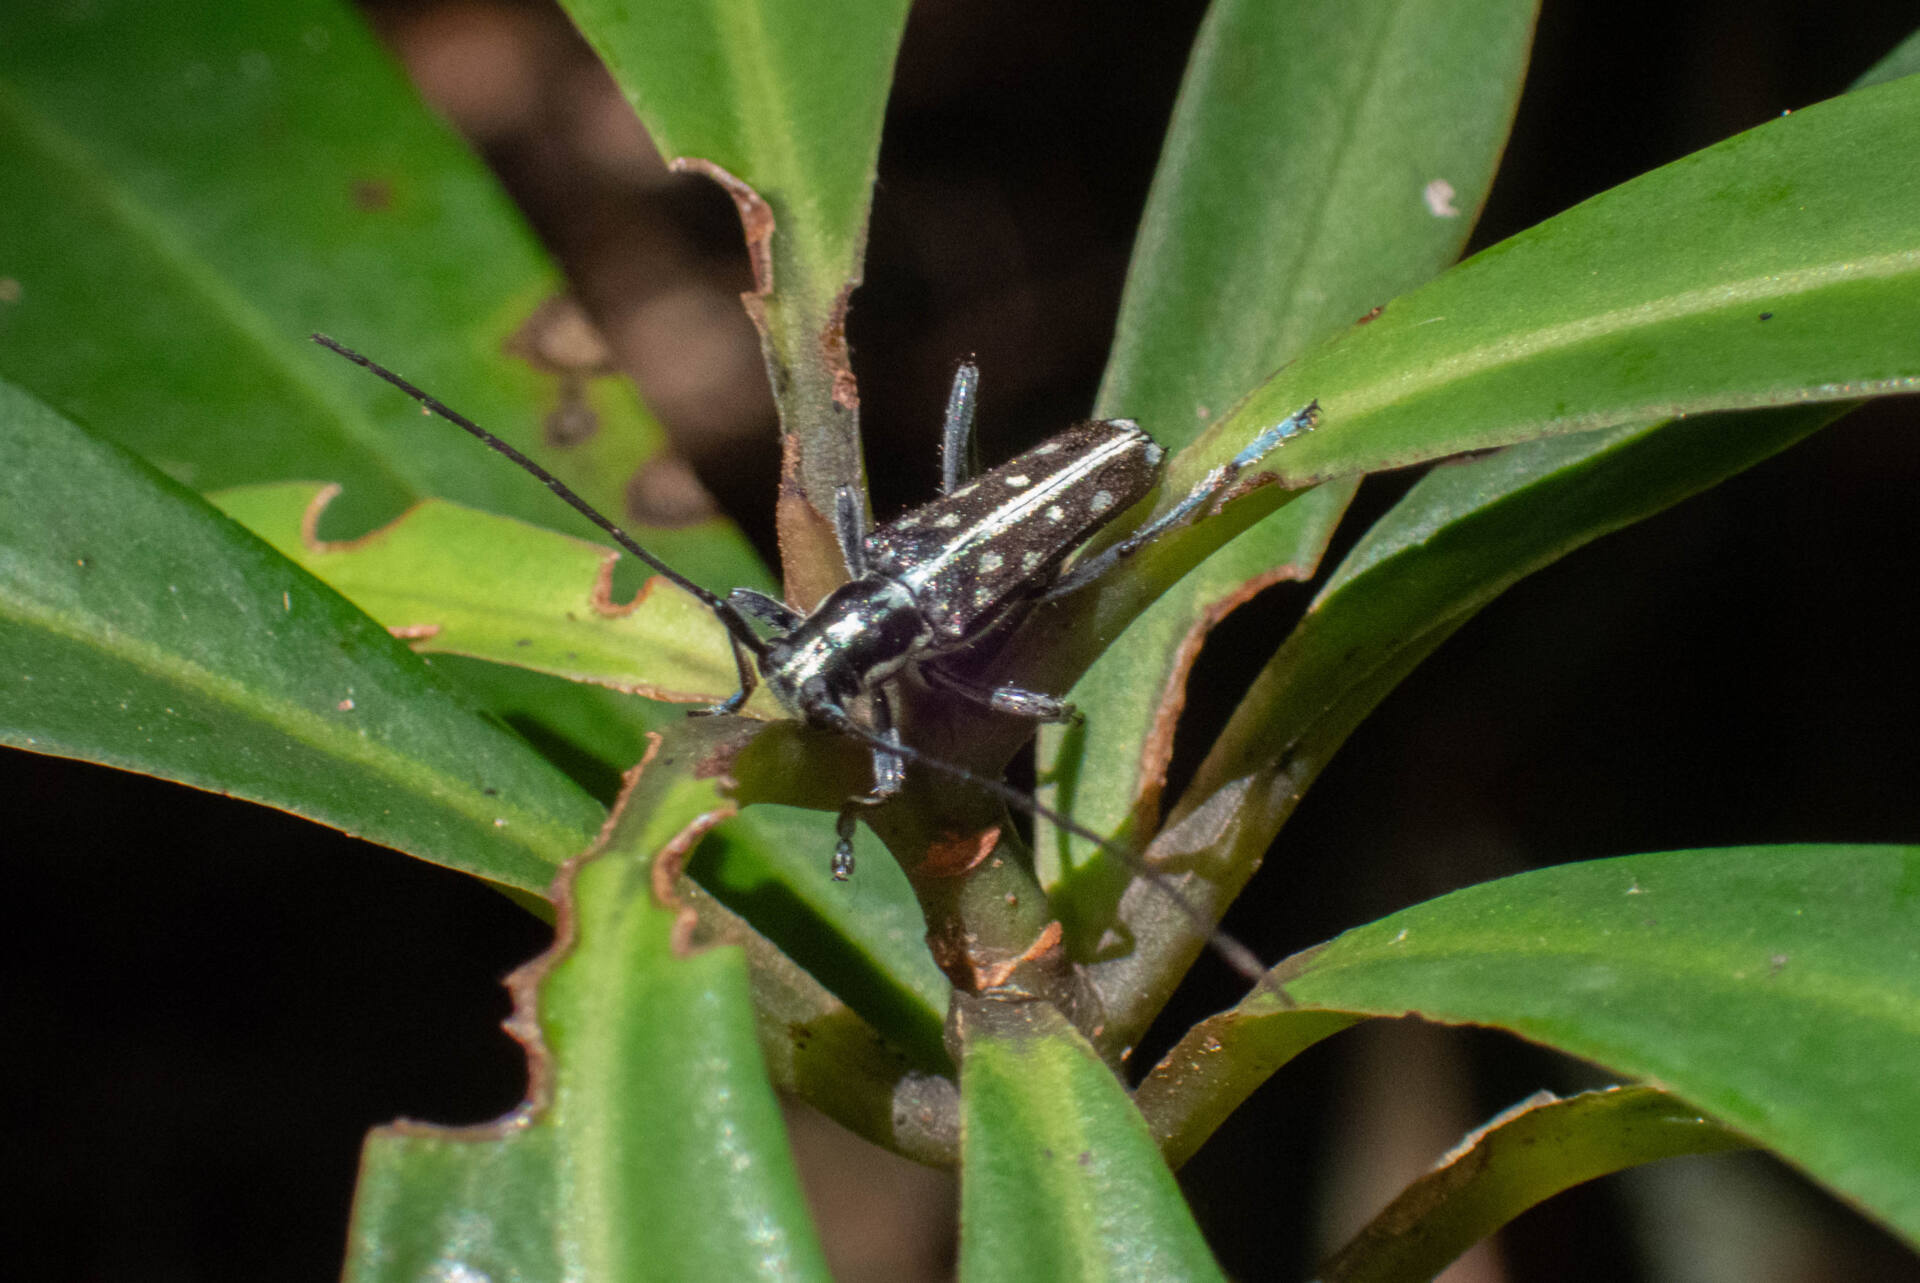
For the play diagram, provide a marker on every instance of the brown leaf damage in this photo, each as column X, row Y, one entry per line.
column 1156, row 750
column 756, row 217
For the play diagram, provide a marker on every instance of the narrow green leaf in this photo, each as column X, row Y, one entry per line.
column 1529, row 1153
column 1459, row 539
column 786, row 99
column 146, row 631
column 820, row 1049
column 190, row 189
column 1298, row 187
column 1217, row 1063
column 653, row 1146
column 533, row 598
column 1776, row 988
column 1779, row 266
column 864, row 938
column 1061, row 1180
column 1361, row 141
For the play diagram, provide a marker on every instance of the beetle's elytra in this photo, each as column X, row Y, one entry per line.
column 973, row 553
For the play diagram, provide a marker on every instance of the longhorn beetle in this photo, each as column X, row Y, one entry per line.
column 934, row 582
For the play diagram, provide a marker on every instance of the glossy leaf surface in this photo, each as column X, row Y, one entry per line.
column 451, row 579
column 190, row 190
column 864, row 938
column 652, row 1147
column 1774, row 988
column 146, row 631
column 1768, row 269
column 1061, row 1178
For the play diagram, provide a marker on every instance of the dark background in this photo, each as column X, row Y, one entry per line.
column 207, row 1003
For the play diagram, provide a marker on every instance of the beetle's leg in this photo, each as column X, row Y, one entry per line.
column 956, row 431
column 1205, row 491
column 850, row 528
column 743, row 665
column 770, row 611
column 889, row 777
column 1012, row 700
column 843, row 827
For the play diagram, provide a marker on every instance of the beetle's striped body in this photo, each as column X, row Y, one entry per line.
column 937, row 579
column 999, row 540
column 934, row 581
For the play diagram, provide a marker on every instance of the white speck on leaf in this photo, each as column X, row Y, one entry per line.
column 1439, row 197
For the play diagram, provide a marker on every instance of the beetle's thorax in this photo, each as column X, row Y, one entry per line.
column 864, row 632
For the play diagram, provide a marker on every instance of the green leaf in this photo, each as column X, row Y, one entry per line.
column 786, row 100
column 592, row 733
column 146, row 631
column 189, row 190
column 1774, row 268
column 1779, row 266
column 1776, row 988
column 1460, row 538
column 818, row 1048
column 1457, row 540
column 653, row 1146
column 1217, row 1063
column 1529, row 1153
column 1335, row 122
column 865, row 938
column 535, row 598
column 1061, row 1180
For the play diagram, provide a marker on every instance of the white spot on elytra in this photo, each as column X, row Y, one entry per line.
column 947, row 520
column 907, row 522
column 1056, row 514
column 1045, row 447
column 1102, row 500
column 1019, row 479
column 981, row 596
column 991, row 561
column 1030, row 558
column 1439, row 197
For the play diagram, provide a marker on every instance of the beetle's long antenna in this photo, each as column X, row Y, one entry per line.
column 720, row 606
column 1231, row 951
